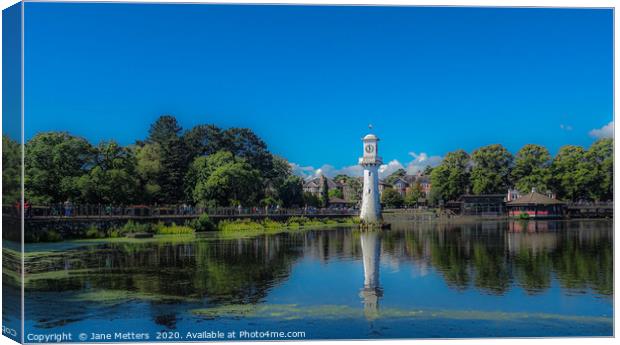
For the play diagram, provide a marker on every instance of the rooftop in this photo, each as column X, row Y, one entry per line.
column 534, row 198
column 370, row 137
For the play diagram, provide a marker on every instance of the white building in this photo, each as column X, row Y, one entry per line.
column 370, row 161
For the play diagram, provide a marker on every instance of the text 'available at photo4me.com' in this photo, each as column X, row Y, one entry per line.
column 245, row 334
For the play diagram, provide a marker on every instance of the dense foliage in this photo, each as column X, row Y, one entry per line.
column 204, row 165
column 573, row 174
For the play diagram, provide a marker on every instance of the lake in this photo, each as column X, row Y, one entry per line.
column 496, row 278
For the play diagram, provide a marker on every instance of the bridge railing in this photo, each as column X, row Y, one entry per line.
column 586, row 204
column 137, row 211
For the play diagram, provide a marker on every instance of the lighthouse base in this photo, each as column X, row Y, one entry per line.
column 375, row 225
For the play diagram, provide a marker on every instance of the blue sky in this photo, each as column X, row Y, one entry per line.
column 310, row 79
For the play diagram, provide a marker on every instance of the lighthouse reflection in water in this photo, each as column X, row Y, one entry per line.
column 371, row 292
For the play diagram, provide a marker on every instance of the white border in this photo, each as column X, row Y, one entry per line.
column 486, row 3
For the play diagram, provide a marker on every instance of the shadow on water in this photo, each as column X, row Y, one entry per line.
column 235, row 276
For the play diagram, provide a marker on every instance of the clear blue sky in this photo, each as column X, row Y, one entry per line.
column 309, row 79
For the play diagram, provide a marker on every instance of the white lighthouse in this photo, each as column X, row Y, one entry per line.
column 370, row 161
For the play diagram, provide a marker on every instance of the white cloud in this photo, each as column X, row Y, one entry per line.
column 300, row 171
column 567, row 128
column 418, row 163
column 421, row 161
column 386, row 170
column 606, row 131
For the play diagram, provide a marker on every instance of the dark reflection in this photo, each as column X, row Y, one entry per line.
column 370, row 242
column 490, row 257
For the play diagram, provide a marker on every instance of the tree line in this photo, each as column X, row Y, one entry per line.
column 574, row 174
column 204, row 165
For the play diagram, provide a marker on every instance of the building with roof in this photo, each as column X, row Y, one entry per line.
column 314, row 185
column 536, row 205
column 401, row 186
column 483, row 205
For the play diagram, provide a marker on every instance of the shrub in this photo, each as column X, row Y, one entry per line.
column 203, row 223
column 93, row 232
column 299, row 220
column 272, row 224
column 133, row 227
column 173, row 230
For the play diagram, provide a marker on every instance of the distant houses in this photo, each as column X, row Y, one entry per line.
column 512, row 203
column 403, row 185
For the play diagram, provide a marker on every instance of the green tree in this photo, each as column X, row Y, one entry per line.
column 391, row 198
column 491, row 170
column 532, row 168
column 428, row 170
column 351, row 185
column 570, row 173
column 412, row 197
column 148, row 170
column 113, row 178
column 280, row 171
column 225, row 180
column 311, row 200
column 450, row 179
column 601, row 160
column 54, row 162
column 395, row 176
column 290, row 192
column 203, row 140
column 335, row 193
column 244, row 143
column 324, row 192
column 165, row 133
column 11, row 171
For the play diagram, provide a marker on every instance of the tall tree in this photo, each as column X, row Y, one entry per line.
column 244, row 143
column 54, row 162
column 450, row 179
column 600, row 156
column 11, row 171
column 570, row 173
column 290, row 192
column 113, row 177
column 391, row 198
column 531, row 169
column 324, row 191
column 491, row 170
column 148, row 169
column 225, row 180
column 202, row 140
column 165, row 132
column 414, row 194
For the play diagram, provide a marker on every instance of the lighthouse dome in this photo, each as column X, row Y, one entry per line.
column 370, row 137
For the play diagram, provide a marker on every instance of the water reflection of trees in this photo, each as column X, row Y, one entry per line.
column 493, row 255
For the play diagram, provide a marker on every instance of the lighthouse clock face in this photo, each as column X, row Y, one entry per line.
column 369, row 149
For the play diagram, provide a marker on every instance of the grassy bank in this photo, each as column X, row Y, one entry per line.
column 190, row 228
column 292, row 223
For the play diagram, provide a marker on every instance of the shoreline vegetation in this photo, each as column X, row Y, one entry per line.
column 141, row 231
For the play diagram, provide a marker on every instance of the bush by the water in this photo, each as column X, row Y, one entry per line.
column 133, row 227
column 295, row 222
column 240, row 225
column 163, row 229
column 203, row 223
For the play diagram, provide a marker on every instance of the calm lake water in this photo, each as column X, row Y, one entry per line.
column 417, row 280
